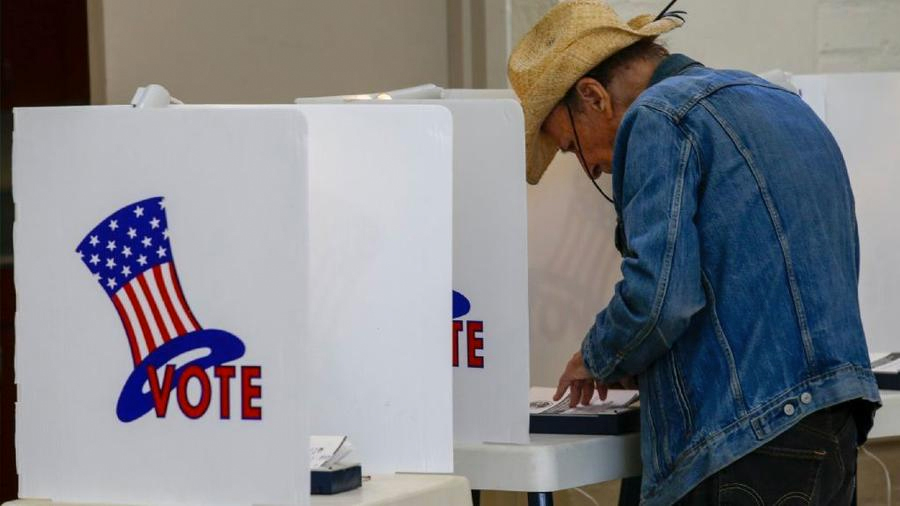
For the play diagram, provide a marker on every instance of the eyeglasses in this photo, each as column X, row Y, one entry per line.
column 581, row 155
column 621, row 241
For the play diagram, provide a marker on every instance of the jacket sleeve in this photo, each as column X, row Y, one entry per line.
column 656, row 179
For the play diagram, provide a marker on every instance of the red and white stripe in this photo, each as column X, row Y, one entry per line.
column 153, row 310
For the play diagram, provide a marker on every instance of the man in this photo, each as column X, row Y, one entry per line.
column 737, row 311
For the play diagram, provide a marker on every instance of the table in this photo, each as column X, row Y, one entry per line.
column 403, row 490
column 549, row 463
column 552, row 462
column 381, row 490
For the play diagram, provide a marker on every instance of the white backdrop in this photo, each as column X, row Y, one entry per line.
column 572, row 263
column 490, row 268
column 863, row 113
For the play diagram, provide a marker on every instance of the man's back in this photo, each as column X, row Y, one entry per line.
column 758, row 258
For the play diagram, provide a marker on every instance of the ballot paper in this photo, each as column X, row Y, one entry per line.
column 885, row 362
column 326, row 452
column 541, row 402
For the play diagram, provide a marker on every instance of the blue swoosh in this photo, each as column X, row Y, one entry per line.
column 461, row 305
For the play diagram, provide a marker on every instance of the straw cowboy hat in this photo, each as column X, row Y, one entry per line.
column 571, row 39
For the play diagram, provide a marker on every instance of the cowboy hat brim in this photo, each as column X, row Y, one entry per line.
column 571, row 39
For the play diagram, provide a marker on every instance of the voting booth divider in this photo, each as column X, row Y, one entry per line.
column 380, row 283
column 490, row 267
column 490, row 336
column 313, row 284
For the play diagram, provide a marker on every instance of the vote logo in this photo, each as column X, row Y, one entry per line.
column 471, row 330
column 129, row 253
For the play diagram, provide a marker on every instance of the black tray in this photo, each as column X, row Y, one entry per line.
column 617, row 421
column 337, row 480
column 887, row 380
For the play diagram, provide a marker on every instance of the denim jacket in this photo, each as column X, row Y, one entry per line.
column 738, row 307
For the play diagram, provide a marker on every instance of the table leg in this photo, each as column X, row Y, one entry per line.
column 540, row 498
column 476, row 498
column 630, row 491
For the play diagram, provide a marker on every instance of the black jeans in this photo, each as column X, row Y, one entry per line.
column 814, row 462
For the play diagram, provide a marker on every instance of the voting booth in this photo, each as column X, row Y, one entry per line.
column 490, row 266
column 489, row 328
column 141, row 383
column 490, row 271
column 380, row 281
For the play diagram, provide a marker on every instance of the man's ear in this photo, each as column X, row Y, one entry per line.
column 593, row 95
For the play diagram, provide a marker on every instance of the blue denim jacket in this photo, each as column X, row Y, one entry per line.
column 738, row 306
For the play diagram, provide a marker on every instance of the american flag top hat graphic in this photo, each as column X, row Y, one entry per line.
column 129, row 253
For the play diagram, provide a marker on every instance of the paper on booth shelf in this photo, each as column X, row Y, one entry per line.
column 541, row 402
column 326, row 452
column 885, row 362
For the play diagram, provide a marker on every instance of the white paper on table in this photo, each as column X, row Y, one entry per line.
column 885, row 362
column 540, row 401
column 326, row 452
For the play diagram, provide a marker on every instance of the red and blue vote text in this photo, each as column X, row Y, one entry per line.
column 469, row 331
column 130, row 254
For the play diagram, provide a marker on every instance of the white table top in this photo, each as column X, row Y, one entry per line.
column 403, row 490
column 381, row 490
column 555, row 462
column 551, row 462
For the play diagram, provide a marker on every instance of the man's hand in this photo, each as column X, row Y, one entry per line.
column 578, row 379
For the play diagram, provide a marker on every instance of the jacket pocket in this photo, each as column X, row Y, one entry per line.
column 678, row 381
column 752, row 479
column 670, row 410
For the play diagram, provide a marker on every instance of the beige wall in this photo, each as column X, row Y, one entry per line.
column 265, row 51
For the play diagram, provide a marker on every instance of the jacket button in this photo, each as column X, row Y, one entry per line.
column 789, row 409
column 805, row 398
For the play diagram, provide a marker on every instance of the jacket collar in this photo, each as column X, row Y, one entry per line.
column 672, row 65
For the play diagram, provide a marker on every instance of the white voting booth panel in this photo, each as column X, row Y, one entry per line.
column 380, row 282
column 490, row 271
column 106, row 199
column 490, row 305
column 863, row 113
